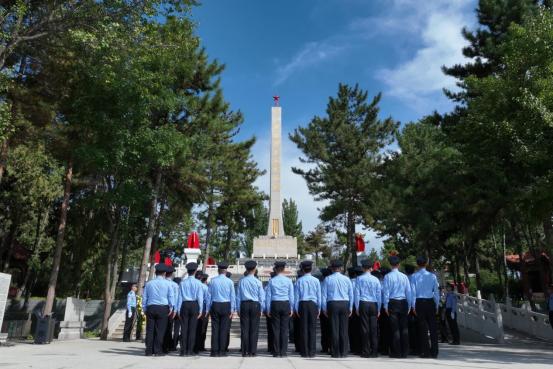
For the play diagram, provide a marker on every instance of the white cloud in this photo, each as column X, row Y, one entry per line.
column 311, row 54
column 437, row 26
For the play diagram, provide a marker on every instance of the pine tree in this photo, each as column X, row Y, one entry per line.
column 344, row 150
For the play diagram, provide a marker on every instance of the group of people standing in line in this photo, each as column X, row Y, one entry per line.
column 371, row 312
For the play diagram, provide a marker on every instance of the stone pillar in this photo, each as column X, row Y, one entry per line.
column 276, row 227
column 72, row 326
column 4, row 288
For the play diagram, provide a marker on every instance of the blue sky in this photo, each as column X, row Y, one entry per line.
column 302, row 49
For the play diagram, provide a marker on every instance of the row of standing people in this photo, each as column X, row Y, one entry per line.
column 334, row 299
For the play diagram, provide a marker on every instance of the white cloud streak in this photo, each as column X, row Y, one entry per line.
column 436, row 25
column 311, row 54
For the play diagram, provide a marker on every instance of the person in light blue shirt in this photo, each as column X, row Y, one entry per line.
column 201, row 331
column 368, row 300
column 307, row 300
column 157, row 302
column 190, row 305
column 426, row 296
column 280, row 306
column 250, row 300
column 131, row 313
column 337, row 304
column 221, row 306
column 451, row 314
column 397, row 298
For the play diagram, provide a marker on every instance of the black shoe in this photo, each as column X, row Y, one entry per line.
column 244, row 354
column 275, row 355
column 213, row 354
column 253, row 354
column 374, row 355
column 147, row 354
column 311, row 355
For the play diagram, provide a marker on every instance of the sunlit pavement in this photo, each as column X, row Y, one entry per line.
column 118, row 355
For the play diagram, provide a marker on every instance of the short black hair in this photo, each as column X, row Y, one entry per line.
column 307, row 268
column 160, row 272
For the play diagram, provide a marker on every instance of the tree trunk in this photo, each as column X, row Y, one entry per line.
column 155, row 240
column 466, row 266
column 351, row 238
column 10, row 242
column 227, row 243
column 3, row 158
column 149, row 234
column 39, row 231
column 111, row 268
column 59, row 240
column 477, row 271
column 548, row 232
column 208, row 225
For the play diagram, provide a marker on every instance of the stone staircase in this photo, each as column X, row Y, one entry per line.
column 117, row 326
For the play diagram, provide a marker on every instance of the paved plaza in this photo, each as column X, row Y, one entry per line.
column 95, row 354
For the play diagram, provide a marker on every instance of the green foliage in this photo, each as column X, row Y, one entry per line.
column 291, row 223
column 344, row 150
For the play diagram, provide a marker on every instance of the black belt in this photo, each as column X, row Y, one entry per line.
column 425, row 298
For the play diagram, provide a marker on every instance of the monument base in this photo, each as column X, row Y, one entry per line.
column 275, row 247
column 71, row 330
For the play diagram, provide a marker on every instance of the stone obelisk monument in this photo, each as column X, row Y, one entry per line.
column 275, row 243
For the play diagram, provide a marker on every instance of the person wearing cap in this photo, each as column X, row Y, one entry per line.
column 426, row 301
column 337, row 304
column 131, row 313
column 307, row 302
column 397, row 301
column 384, row 330
column 190, row 305
column 280, row 301
column 221, row 306
column 250, row 300
column 168, row 338
column 201, row 327
column 368, row 299
column 158, row 302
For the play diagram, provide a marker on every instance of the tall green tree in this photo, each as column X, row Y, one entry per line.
column 344, row 150
column 291, row 223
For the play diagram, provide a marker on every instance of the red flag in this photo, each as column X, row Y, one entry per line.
column 157, row 257
column 193, row 241
column 359, row 243
column 376, row 265
column 168, row 261
column 210, row 261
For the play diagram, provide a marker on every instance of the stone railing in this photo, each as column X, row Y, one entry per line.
column 481, row 316
column 115, row 321
column 526, row 321
column 488, row 318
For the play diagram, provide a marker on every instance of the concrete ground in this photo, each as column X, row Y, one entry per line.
column 95, row 354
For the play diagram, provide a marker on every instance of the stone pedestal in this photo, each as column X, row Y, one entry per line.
column 4, row 288
column 192, row 255
column 73, row 324
column 275, row 247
